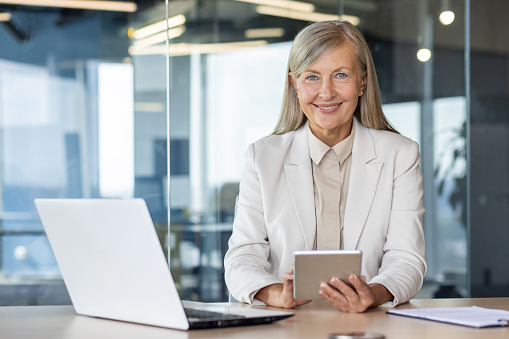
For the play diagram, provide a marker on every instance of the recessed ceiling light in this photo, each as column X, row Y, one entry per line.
column 5, row 17
column 446, row 17
column 116, row 6
column 423, row 54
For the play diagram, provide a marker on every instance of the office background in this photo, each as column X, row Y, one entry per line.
column 123, row 103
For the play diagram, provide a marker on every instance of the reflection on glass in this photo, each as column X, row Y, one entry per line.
column 69, row 78
column 450, row 179
column 115, row 123
column 66, row 131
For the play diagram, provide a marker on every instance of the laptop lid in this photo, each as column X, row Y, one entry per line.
column 113, row 264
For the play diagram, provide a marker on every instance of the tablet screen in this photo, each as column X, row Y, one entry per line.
column 311, row 268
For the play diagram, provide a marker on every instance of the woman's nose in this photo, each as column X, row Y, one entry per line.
column 327, row 90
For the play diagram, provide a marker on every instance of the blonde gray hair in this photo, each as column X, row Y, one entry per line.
column 310, row 44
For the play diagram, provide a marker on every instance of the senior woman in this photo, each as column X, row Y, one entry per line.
column 334, row 174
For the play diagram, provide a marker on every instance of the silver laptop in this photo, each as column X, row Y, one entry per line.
column 114, row 267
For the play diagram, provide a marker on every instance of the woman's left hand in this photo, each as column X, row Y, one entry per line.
column 356, row 298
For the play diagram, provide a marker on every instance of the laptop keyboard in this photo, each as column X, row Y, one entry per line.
column 209, row 319
column 209, row 315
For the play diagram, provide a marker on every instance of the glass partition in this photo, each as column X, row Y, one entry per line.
column 169, row 94
column 488, row 132
column 73, row 124
column 227, row 70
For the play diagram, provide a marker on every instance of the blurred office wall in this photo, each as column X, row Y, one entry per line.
column 186, row 112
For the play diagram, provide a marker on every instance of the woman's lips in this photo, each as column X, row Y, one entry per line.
column 327, row 108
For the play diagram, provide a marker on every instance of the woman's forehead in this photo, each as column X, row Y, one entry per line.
column 339, row 56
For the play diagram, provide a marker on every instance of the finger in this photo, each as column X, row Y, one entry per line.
column 286, row 299
column 333, row 296
column 333, row 292
column 360, row 286
column 288, row 277
column 349, row 293
column 357, row 283
column 288, row 284
column 342, row 286
column 364, row 293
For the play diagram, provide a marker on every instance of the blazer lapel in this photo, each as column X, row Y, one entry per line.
column 300, row 182
column 364, row 175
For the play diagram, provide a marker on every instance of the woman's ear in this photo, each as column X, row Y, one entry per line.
column 364, row 83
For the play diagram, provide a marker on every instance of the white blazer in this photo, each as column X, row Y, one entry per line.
column 276, row 212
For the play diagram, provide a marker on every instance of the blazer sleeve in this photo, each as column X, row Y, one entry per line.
column 403, row 264
column 246, row 262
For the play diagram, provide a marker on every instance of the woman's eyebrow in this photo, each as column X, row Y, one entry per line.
column 310, row 70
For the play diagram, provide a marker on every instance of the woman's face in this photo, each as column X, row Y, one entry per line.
column 329, row 91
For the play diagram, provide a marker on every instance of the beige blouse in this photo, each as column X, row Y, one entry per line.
column 331, row 173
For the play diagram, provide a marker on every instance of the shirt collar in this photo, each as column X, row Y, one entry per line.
column 317, row 148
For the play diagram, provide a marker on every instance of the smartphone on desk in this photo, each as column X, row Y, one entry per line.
column 311, row 268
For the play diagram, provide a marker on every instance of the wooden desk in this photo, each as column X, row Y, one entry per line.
column 314, row 320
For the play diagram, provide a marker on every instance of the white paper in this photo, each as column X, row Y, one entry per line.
column 468, row 316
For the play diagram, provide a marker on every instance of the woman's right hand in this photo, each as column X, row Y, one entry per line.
column 280, row 295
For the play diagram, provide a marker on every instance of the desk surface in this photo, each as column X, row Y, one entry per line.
column 314, row 320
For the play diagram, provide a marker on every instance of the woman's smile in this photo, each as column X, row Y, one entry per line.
column 327, row 108
column 328, row 92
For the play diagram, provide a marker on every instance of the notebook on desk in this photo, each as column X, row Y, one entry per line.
column 472, row 316
column 114, row 267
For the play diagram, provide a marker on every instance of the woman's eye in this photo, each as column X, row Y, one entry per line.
column 312, row 77
column 341, row 75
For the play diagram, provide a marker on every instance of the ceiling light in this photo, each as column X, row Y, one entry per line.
column 264, row 33
column 446, row 17
column 160, row 37
column 117, row 6
column 5, row 17
column 423, row 54
column 314, row 16
column 159, row 26
column 182, row 49
column 288, row 4
column 354, row 20
column 187, row 49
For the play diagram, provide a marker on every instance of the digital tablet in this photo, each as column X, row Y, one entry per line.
column 311, row 268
